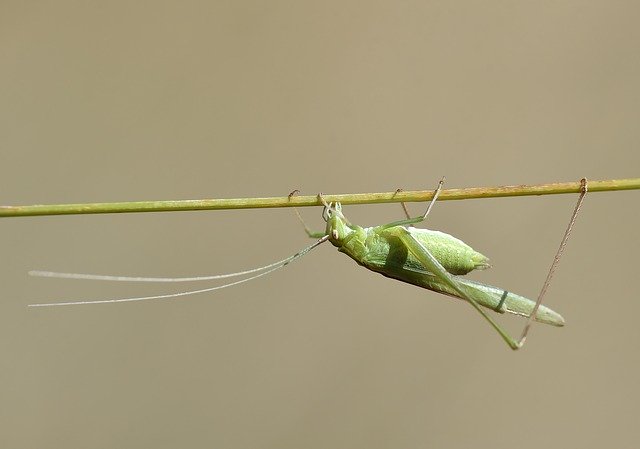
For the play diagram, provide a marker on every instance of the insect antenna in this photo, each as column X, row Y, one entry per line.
column 261, row 271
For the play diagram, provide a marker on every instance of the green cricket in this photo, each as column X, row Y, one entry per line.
column 429, row 259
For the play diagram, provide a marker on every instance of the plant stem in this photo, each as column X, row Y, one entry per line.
column 312, row 200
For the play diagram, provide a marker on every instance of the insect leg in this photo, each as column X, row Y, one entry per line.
column 556, row 259
column 404, row 206
column 310, row 233
column 436, row 193
column 432, row 265
column 411, row 221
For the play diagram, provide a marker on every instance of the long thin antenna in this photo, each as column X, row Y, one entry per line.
column 272, row 268
column 106, row 277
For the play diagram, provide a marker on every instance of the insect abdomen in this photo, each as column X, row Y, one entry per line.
column 455, row 256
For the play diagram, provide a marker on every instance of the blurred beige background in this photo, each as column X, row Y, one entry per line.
column 120, row 101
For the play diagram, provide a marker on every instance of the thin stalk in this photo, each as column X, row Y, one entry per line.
column 313, row 200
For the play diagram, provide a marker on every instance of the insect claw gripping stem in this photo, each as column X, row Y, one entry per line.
column 435, row 197
column 404, row 205
column 323, row 201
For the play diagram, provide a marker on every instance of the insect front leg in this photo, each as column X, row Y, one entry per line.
column 310, row 233
column 432, row 265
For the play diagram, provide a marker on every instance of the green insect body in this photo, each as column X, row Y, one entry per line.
column 398, row 251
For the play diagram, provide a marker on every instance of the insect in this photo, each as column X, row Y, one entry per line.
column 429, row 259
